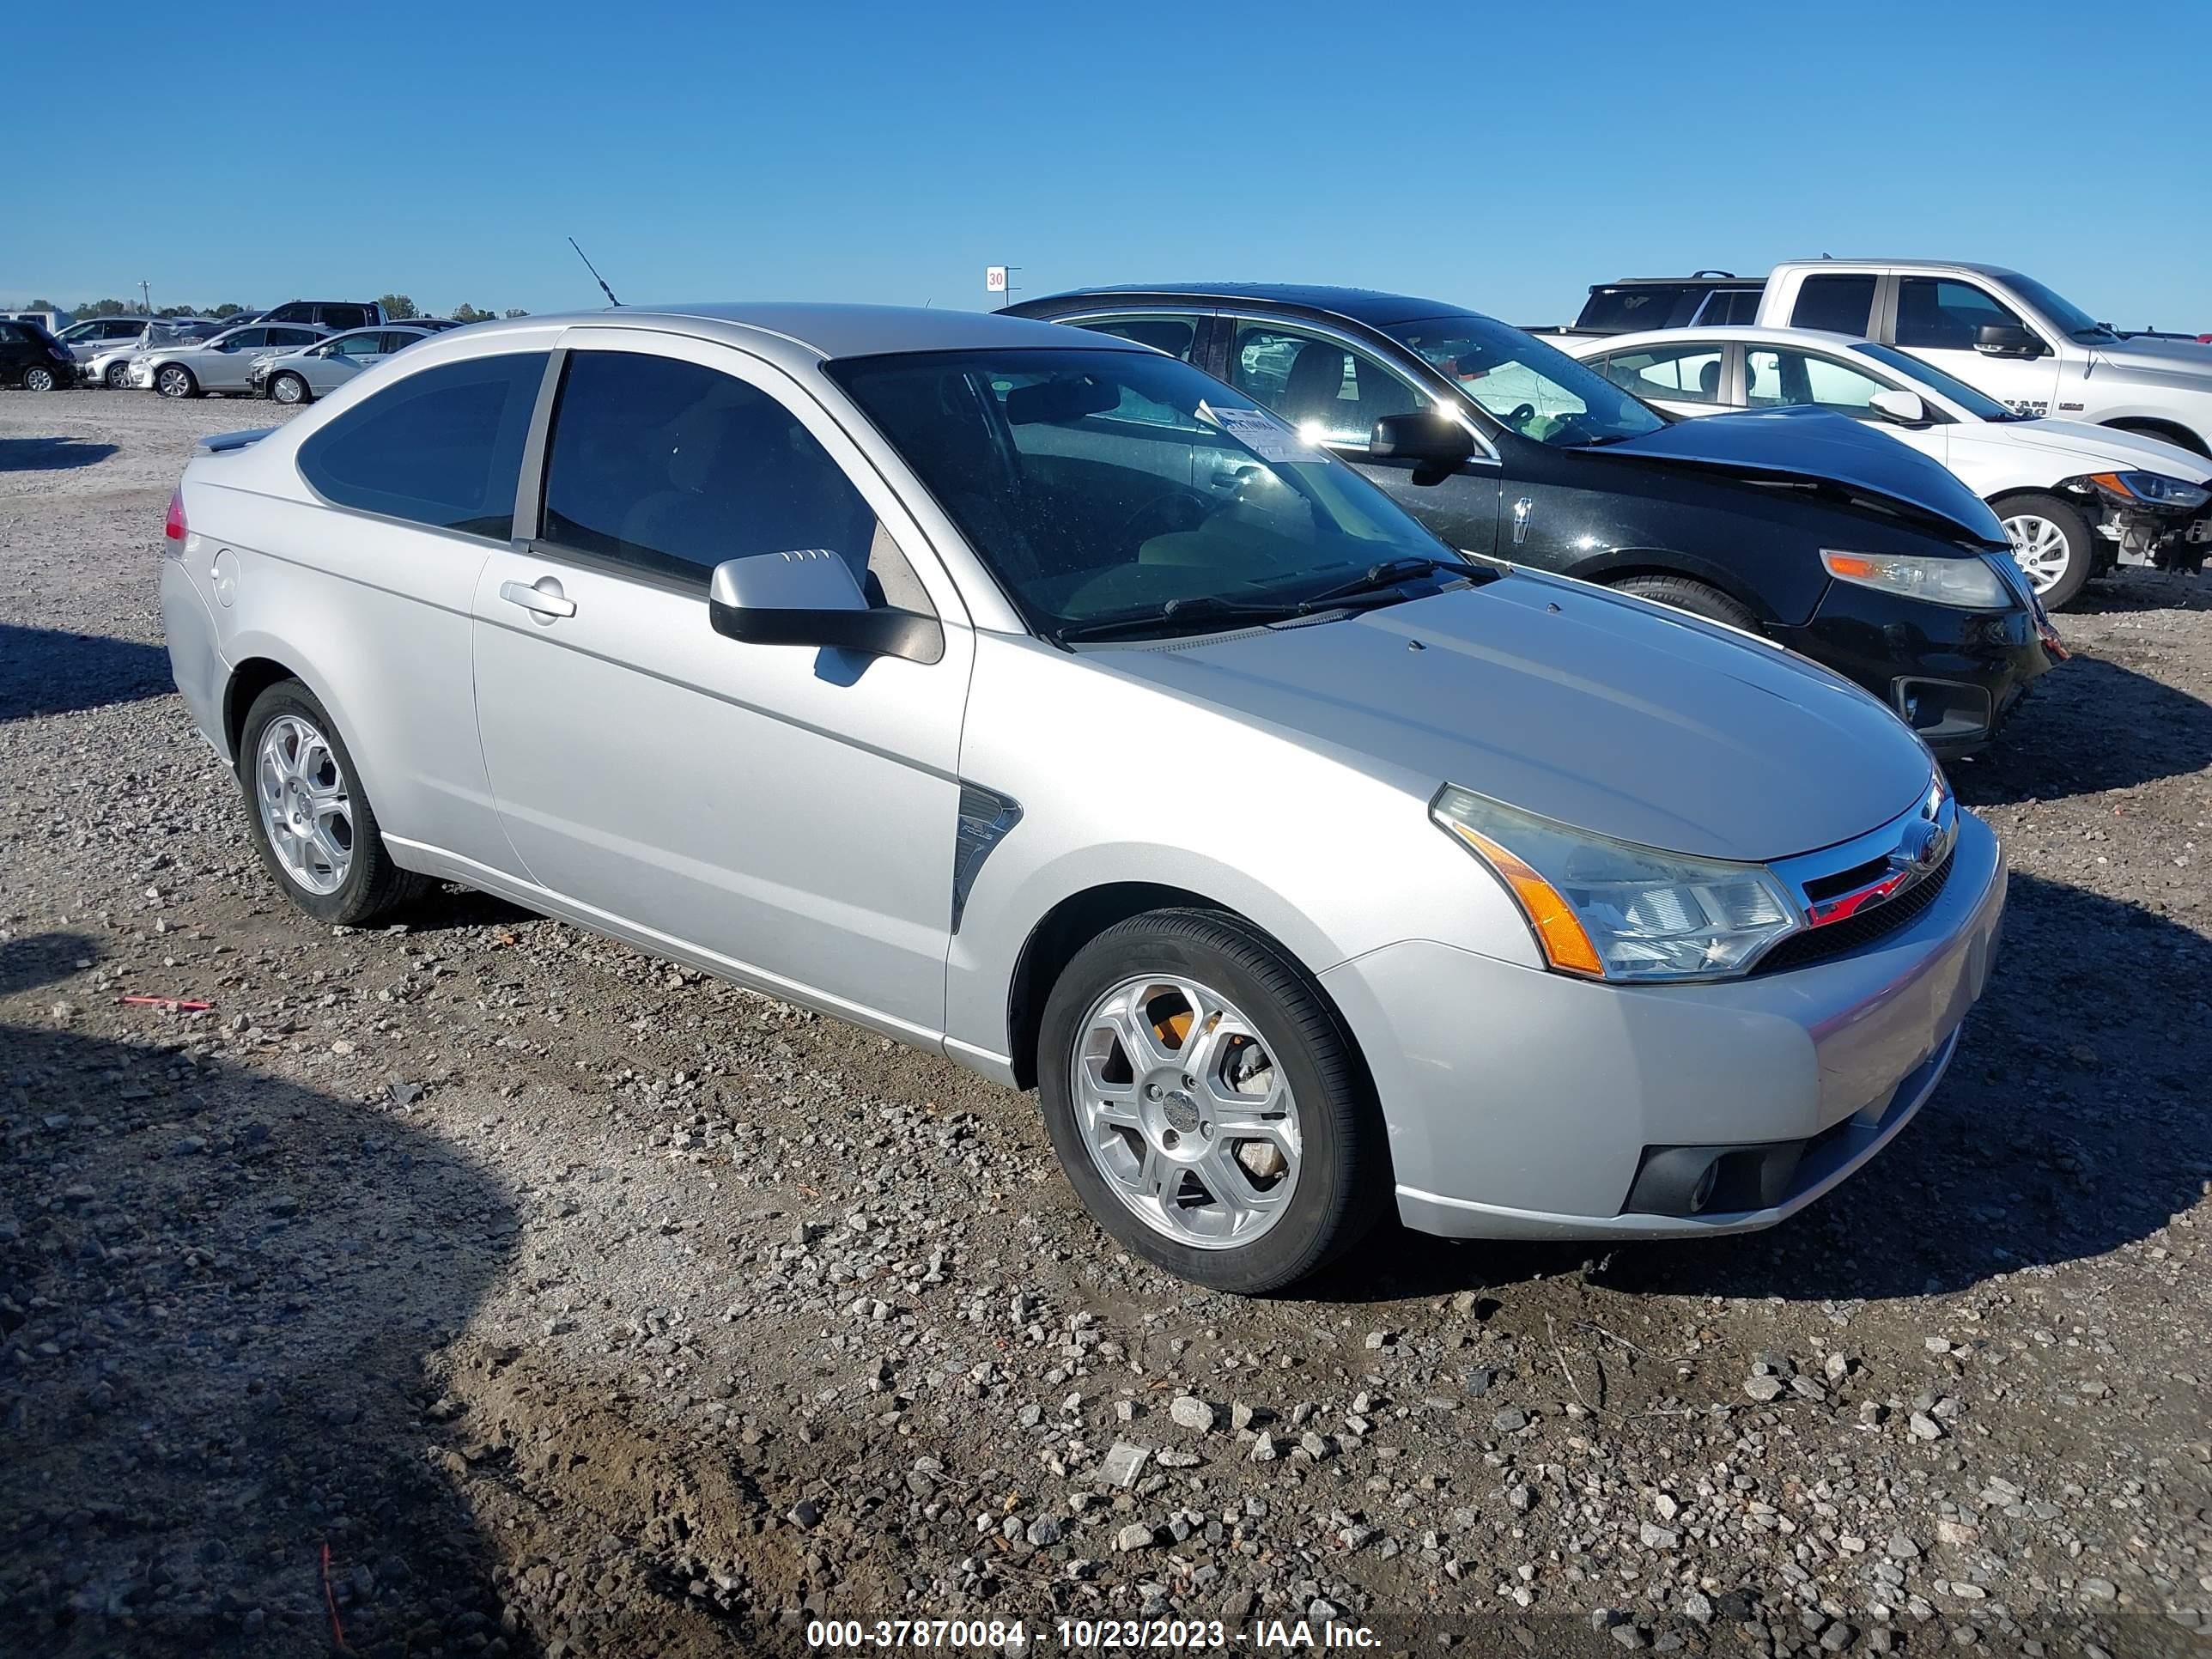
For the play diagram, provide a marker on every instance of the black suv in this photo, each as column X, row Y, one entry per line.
column 1704, row 298
column 1796, row 523
column 32, row 359
column 337, row 315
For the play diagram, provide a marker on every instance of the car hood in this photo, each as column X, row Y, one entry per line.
column 2173, row 363
column 1798, row 443
column 2090, row 446
column 1591, row 708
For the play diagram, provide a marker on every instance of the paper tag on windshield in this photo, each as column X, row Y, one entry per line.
column 1262, row 433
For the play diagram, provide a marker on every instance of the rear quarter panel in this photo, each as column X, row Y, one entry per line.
column 373, row 617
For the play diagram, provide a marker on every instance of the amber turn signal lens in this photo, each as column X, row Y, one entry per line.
column 1564, row 942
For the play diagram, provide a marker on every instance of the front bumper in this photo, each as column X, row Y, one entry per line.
column 142, row 376
column 1954, row 675
column 1523, row 1104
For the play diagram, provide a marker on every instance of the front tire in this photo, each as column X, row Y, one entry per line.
column 310, row 818
column 118, row 377
column 1207, row 1104
column 39, row 378
column 174, row 380
column 1694, row 597
column 2052, row 543
column 287, row 389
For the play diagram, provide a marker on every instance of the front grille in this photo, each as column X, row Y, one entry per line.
column 1864, row 929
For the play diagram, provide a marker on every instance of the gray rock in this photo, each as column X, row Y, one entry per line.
column 1764, row 1388
column 1902, row 1547
column 1192, row 1412
column 1135, row 1536
column 1657, row 1537
column 1511, row 1420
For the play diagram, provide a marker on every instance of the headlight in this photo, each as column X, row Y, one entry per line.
column 2151, row 489
column 1609, row 909
column 1966, row 583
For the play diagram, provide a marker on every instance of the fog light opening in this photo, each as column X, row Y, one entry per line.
column 1702, row 1194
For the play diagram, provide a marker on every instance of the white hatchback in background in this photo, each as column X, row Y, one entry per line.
column 2076, row 499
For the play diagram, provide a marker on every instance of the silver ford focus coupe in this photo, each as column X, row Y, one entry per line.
column 1030, row 696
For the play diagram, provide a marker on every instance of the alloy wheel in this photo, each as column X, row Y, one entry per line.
column 1185, row 1112
column 307, row 809
column 172, row 382
column 118, row 377
column 287, row 389
column 2041, row 549
column 39, row 378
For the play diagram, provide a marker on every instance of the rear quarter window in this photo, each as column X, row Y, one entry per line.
column 1839, row 305
column 441, row 448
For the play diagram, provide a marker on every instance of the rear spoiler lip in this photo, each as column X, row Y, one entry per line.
column 223, row 443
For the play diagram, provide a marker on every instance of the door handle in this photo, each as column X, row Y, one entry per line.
column 542, row 599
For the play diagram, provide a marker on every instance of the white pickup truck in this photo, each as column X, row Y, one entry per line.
column 2004, row 334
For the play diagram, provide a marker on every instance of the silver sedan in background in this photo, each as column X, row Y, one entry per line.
column 1030, row 696
column 306, row 373
column 223, row 363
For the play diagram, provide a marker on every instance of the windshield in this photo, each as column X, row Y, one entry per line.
column 2063, row 313
column 1979, row 404
column 1101, row 484
column 1532, row 388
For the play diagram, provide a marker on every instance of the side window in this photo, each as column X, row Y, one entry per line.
column 672, row 467
column 341, row 316
column 292, row 336
column 1177, row 335
column 1936, row 313
column 1684, row 373
column 1735, row 306
column 1773, row 378
column 1330, row 392
column 1838, row 305
column 357, row 345
column 11, row 334
column 441, row 448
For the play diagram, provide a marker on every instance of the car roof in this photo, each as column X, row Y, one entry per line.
column 1980, row 270
column 1373, row 307
column 1719, row 333
column 822, row 330
column 1711, row 279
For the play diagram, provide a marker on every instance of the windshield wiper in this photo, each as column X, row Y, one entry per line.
column 1388, row 573
column 1203, row 607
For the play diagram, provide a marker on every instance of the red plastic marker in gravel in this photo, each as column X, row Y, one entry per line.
column 182, row 1005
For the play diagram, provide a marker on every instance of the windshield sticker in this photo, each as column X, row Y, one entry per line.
column 1262, row 433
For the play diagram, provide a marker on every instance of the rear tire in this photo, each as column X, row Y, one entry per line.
column 2053, row 544
column 1292, row 1078
column 1694, row 597
column 311, row 819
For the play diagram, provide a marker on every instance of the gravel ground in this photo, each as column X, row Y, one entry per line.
column 481, row 1286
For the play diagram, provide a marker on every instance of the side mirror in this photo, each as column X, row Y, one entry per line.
column 1895, row 404
column 809, row 597
column 1436, row 446
column 2007, row 340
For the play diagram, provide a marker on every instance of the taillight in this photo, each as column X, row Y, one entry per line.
column 173, row 527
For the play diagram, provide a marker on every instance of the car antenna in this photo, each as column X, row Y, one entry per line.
column 596, row 277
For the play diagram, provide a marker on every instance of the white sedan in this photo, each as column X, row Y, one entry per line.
column 2076, row 499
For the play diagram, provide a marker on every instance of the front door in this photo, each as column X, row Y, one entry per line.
column 1333, row 392
column 787, row 811
column 1938, row 318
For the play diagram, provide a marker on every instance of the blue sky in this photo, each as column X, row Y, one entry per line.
column 1503, row 157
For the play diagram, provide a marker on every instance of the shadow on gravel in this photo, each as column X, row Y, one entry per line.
column 45, row 672
column 2090, row 724
column 50, row 455
column 2070, row 1124
column 216, row 1294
